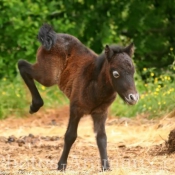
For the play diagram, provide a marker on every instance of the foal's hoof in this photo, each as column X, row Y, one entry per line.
column 106, row 169
column 34, row 107
column 61, row 166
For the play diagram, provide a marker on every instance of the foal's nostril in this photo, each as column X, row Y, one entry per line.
column 132, row 97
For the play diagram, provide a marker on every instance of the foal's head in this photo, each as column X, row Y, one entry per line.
column 122, row 72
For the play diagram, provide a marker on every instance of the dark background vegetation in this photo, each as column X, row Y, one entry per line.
column 149, row 23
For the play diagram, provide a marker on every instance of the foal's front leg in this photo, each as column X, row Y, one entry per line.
column 70, row 136
column 99, row 120
column 28, row 74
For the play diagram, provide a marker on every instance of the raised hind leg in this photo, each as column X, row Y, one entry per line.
column 30, row 72
column 70, row 136
column 99, row 120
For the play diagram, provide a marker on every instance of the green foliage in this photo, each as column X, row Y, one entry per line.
column 18, row 30
column 149, row 23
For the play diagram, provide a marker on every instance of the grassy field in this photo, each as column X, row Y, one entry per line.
column 157, row 96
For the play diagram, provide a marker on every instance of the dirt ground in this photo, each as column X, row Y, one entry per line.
column 33, row 145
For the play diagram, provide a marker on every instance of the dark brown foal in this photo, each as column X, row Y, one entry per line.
column 90, row 81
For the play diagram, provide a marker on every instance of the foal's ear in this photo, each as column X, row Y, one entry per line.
column 109, row 53
column 130, row 49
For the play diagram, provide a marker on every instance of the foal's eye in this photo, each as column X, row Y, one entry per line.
column 115, row 74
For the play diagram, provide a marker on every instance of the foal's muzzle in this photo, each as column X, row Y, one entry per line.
column 132, row 99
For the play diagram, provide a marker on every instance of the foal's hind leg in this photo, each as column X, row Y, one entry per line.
column 70, row 136
column 28, row 73
column 99, row 120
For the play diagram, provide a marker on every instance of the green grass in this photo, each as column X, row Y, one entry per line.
column 157, row 96
column 15, row 97
column 12, row 98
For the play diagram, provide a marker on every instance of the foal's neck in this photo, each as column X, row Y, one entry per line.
column 102, row 74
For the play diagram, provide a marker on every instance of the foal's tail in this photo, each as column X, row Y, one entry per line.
column 47, row 36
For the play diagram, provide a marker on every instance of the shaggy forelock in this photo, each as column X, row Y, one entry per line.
column 117, row 49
